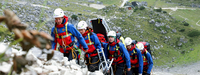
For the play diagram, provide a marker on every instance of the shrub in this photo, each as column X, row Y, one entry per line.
column 75, row 17
column 159, row 21
column 122, row 10
column 142, row 8
column 136, row 8
column 158, row 10
column 182, row 30
column 164, row 11
column 194, row 33
column 186, row 24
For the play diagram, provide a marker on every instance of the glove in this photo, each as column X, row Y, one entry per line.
column 79, row 51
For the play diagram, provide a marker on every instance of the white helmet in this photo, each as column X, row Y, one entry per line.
column 112, row 33
column 58, row 13
column 82, row 25
column 128, row 41
column 140, row 46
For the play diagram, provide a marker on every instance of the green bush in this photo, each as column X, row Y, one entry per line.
column 164, row 11
column 136, row 8
column 186, row 24
column 194, row 33
column 75, row 17
column 158, row 10
column 79, row 14
column 182, row 30
column 142, row 8
column 159, row 21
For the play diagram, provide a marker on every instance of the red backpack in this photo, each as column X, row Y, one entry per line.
column 101, row 37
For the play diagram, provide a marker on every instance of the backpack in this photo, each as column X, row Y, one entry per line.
column 101, row 37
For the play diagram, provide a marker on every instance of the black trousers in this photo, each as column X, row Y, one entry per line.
column 145, row 72
column 135, row 71
column 118, row 69
column 70, row 57
column 92, row 63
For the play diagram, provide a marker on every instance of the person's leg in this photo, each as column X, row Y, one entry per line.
column 119, row 69
column 65, row 54
column 78, row 57
column 70, row 56
column 94, row 63
column 135, row 71
column 128, row 72
column 87, row 62
column 145, row 72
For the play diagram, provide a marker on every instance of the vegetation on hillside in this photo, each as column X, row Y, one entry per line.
column 168, row 41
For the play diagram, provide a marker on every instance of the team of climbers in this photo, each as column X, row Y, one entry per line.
column 130, row 57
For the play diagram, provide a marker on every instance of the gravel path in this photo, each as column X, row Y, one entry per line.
column 192, row 69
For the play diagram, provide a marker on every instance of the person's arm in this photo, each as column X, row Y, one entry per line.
column 54, row 42
column 126, row 55
column 78, row 35
column 150, row 61
column 96, row 41
column 140, row 61
column 105, row 49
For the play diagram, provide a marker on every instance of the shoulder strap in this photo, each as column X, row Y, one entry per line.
column 90, row 42
column 66, row 27
column 107, row 47
column 145, row 54
column 57, row 36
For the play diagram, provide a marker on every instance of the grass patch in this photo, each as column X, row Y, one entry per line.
column 164, row 4
column 191, row 56
column 76, row 8
column 150, row 2
column 5, row 33
column 184, row 2
column 191, row 16
column 111, row 2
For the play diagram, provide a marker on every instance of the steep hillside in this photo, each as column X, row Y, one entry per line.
column 192, row 3
column 169, row 37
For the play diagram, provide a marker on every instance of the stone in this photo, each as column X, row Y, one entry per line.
column 36, row 20
column 191, row 49
column 167, row 26
column 155, row 29
column 161, row 46
column 32, row 24
column 155, row 41
column 198, row 71
column 157, row 24
column 180, row 44
column 174, row 30
column 152, row 21
column 163, row 32
column 99, row 2
column 91, row 1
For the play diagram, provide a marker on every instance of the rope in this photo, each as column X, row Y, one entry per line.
column 92, row 63
column 73, row 52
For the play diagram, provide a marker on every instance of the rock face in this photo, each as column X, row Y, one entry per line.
column 58, row 65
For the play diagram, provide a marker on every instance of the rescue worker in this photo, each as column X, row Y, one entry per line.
column 135, row 57
column 91, row 39
column 114, row 49
column 64, row 35
column 147, row 59
column 119, row 36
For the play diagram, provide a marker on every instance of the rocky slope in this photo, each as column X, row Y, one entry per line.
column 169, row 37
